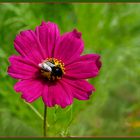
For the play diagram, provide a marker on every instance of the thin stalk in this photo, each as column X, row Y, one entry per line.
column 35, row 110
column 45, row 121
column 70, row 121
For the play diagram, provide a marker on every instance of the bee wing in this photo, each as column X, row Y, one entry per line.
column 45, row 67
column 50, row 64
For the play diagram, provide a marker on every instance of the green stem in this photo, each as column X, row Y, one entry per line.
column 45, row 121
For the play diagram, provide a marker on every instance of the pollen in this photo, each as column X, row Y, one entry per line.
column 52, row 69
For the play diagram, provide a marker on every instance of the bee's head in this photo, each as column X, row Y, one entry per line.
column 57, row 71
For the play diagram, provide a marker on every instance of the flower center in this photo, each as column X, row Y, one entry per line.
column 52, row 69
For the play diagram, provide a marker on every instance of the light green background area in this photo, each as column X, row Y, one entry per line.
column 111, row 30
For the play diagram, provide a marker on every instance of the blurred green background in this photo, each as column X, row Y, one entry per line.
column 113, row 31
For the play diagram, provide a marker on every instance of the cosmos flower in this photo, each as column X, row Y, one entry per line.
column 50, row 65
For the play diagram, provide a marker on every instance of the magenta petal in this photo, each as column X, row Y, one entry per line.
column 21, row 68
column 81, row 70
column 47, row 97
column 99, row 64
column 58, row 94
column 91, row 57
column 47, row 34
column 81, row 89
column 69, row 47
column 67, row 93
column 88, row 57
column 80, row 84
column 31, row 89
column 84, row 67
column 27, row 45
column 79, row 94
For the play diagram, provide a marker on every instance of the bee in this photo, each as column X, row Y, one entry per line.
column 50, row 70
